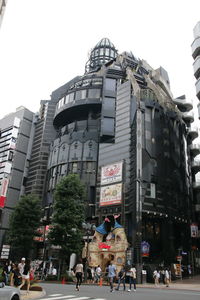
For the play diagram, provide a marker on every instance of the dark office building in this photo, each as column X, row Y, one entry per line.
column 119, row 127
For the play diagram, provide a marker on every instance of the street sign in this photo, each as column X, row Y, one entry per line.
column 5, row 251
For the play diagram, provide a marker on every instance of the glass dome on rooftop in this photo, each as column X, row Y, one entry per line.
column 103, row 52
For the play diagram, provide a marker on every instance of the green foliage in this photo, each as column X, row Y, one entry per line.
column 24, row 223
column 68, row 215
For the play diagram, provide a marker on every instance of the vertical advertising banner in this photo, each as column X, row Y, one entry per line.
column 111, row 173
column 4, row 188
column 111, row 194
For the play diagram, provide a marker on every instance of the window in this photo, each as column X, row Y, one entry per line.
column 80, row 94
column 110, row 84
column 74, row 167
column 94, row 93
column 10, row 156
column 67, row 99
column 107, row 52
column 71, row 97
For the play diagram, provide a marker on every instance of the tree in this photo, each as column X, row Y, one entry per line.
column 24, row 222
column 68, row 215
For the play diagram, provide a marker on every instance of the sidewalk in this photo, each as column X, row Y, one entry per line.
column 185, row 284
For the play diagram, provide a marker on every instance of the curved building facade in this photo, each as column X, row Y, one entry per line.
column 119, row 127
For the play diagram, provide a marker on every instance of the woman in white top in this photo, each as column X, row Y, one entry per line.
column 79, row 274
column 26, row 276
column 132, row 277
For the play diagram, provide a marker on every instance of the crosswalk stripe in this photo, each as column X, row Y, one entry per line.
column 70, row 297
column 60, row 297
column 82, row 298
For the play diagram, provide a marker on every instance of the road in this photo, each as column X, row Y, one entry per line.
column 68, row 292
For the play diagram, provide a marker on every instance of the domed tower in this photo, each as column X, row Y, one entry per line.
column 102, row 53
column 77, row 120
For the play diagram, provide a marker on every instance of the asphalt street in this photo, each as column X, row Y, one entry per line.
column 67, row 292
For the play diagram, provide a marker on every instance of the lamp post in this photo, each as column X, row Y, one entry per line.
column 88, row 227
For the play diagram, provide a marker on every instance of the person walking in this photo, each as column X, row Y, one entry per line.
column 132, row 278
column 167, row 277
column 79, row 274
column 111, row 274
column 26, row 276
column 5, row 273
column 156, row 276
column 21, row 265
column 121, row 278
column 98, row 273
column 15, row 277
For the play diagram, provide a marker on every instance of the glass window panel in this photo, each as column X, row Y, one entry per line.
column 110, row 84
column 80, row 94
column 108, row 125
column 67, row 99
column 71, row 97
column 107, row 52
column 101, row 51
column 94, row 93
column 111, row 53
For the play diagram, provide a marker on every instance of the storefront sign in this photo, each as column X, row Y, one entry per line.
column 145, row 247
column 194, row 230
column 111, row 194
column 5, row 251
column 111, row 173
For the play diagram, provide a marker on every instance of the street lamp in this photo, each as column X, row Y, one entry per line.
column 88, row 227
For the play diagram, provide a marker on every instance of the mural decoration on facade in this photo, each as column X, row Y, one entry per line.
column 108, row 246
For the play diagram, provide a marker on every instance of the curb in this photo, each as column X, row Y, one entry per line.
column 33, row 295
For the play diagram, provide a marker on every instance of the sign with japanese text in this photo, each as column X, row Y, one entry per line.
column 111, row 173
column 111, row 194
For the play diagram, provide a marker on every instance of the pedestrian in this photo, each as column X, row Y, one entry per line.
column 111, row 274
column 54, row 271
column 79, row 274
column 132, row 278
column 98, row 273
column 89, row 275
column 93, row 274
column 15, row 277
column 121, row 278
column 156, row 276
column 21, row 265
column 167, row 277
column 162, row 276
column 26, row 276
column 5, row 273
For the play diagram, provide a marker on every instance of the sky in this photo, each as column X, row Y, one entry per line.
column 45, row 43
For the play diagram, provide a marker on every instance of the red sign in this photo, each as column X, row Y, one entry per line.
column 2, row 201
column 104, row 246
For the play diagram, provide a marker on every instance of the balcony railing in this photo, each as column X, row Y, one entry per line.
column 193, row 132
column 188, row 116
column 195, row 166
column 198, row 88
column 183, row 104
column 196, row 185
column 196, row 67
column 196, row 47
